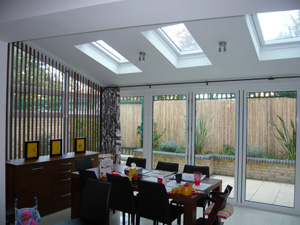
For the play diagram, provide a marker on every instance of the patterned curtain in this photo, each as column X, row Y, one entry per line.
column 111, row 129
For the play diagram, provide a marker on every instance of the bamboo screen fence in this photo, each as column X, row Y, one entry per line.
column 260, row 111
column 131, row 118
column 220, row 117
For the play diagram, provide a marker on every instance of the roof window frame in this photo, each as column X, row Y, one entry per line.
column 279, row 42
column 184, row 60
column 173, row 46
column 270, row 51
column 109, row 53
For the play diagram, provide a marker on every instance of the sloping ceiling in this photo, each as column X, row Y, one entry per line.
column 56, row 30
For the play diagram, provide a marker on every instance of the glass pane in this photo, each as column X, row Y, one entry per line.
column 181, row 37
column 131, row 117
column 271, row 147
column 215, row 135
column 112, row 51
column 280, row 25
column 169, row 129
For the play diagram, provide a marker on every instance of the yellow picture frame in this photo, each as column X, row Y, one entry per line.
column 55, row 147
column 80, row 145
column 32, row 150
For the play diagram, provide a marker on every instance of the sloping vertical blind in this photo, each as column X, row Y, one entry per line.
column 39, row 102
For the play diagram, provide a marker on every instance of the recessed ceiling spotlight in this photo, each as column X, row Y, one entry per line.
column 222, row 47
column 142, row 56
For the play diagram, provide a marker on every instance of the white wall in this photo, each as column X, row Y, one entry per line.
column 3, row 75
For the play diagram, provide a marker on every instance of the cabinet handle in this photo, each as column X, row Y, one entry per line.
column 93, row 159
column 65, row 164
column 39, row 168
column 66, row 195
column 67, row 171
column 63, row 180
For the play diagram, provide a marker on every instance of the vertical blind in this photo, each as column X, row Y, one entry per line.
column 42, row 107
column 84, row 112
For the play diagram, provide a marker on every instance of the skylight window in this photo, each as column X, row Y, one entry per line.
column 181, row 38
column 112, row 52
column 108, row 57
column 275, row 35
column 278, row 27
column 177, row 44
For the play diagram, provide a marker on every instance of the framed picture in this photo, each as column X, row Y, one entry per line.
column 80, row 145
column 55, row 147
column 32, row 149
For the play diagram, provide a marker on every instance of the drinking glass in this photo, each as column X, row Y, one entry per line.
column 197, row 177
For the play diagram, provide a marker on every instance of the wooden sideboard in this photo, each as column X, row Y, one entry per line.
column 48, row 178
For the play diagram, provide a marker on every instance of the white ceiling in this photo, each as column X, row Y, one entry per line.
column 57, row 27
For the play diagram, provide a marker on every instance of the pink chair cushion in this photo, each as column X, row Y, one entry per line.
column 224, row 213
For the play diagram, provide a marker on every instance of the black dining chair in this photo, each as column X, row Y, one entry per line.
column 191, row 169
column 202, row 202
column 153, row 204
column 83, row 163
column 212, row 218
column 167, row 166
column 219, row 200
column 94, row 206
column 122, row 197
column 140, row 162
column 84, row 175
column 224, row 194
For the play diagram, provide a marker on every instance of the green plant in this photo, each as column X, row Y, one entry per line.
column 286, row 138
column 156, row 136
column 171, row 146
column 255, row 151
column 202, row 134
column 229, row 150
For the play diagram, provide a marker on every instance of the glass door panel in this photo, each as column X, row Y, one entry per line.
column 132, row 126
column 169, row 129
column 215, row 135
column 271, row 147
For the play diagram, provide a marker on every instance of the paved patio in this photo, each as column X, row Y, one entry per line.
column 274, row 193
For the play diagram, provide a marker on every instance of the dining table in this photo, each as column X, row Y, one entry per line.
column 189, row 202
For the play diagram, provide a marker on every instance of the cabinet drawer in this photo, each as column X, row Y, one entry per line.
column 36, row 170
column 61, row 175
column 26, row 199
column 62, row 187
column 63, row 165
column 33, row 178
column 61, row 202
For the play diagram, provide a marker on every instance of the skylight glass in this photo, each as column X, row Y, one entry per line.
column 277, row 26
column 181, row 38
column 104, row 54
column 112, row 52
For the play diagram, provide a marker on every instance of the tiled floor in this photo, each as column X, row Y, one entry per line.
column 259, row 191
column 241, row 216
column 274, row 193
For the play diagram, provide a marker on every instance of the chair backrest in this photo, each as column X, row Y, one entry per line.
column 94, row 206
column 224, row 194
column 140, row 162
column 153, row 202
column 83, row 163
column 122, row 197
column 191, row 169
column 214, row 212
column 84, row 175
column 167, row 166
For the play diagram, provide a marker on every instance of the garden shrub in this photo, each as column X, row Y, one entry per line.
column 229, row 150
column 171, row 146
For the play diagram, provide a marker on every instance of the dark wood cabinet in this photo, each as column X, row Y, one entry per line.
column 48, row 178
